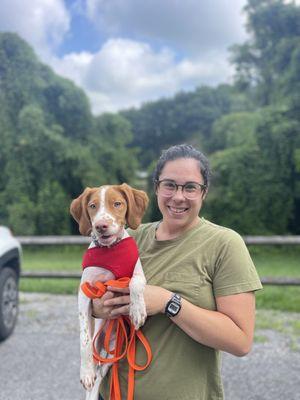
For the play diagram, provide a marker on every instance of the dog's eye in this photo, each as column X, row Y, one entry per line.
column 117, row 204
column 92, row 205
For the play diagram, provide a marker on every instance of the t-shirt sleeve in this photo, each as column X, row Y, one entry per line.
column 234, row 269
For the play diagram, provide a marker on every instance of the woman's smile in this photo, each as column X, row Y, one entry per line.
column 178, row 210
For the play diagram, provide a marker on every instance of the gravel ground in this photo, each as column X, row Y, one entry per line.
column 41, row 359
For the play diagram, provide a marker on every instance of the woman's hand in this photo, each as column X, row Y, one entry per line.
column 112, row 304
column 99, row 310
column 155, row 300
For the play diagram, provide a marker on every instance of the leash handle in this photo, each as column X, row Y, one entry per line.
column 93, row 291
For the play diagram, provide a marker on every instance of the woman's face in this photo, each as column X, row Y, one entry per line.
column 178, row 211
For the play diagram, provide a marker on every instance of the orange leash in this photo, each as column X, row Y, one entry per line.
column 125, row 344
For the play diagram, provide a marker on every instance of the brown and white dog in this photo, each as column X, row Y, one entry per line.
column 102, row 213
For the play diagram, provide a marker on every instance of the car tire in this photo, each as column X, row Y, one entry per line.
column 9, row 301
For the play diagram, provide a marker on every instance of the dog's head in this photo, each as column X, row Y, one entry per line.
column 105, row 210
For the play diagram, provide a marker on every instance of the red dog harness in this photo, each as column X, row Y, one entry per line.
column 120, row 259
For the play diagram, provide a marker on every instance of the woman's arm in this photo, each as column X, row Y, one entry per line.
column 230, row 328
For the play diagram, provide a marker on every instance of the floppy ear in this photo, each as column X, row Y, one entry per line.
column 78, row 210
column 137, row 202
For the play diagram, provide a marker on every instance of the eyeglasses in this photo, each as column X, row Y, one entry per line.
column 190, row 190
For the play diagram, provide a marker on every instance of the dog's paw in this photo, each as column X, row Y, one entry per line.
column 88, row 377
column 137, row 314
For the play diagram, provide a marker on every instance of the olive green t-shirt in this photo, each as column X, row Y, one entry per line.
column 204, row 262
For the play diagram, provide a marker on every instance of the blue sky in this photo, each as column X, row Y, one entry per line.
column 127, row 52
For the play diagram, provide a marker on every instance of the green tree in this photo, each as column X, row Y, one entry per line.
column 236, row 198
column 110, row 148
column 234, row 130
column 188, row 117
column 52, row 210
column 51, row 145
column 268, row 63
column 22, row 215
column 255, row 183
column 268, row 70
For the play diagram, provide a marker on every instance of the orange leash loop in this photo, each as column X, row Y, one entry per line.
column 114, row 325
column 93, row 292
column 133, row 366
column 123, row 345
column 99, row 288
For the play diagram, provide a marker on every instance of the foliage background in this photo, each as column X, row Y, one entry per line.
column 52, row 146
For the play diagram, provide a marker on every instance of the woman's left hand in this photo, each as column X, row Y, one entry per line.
column 120, row 302
column 155, row 298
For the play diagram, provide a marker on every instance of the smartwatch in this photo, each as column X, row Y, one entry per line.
column 173, row 306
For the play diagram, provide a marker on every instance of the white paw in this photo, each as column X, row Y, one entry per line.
column 138, row 314
column 88, row 377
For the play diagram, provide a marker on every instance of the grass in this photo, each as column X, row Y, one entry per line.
column 276, row 261
column 287, row 324
column 53, row 258
column 272, row 261
column 54, row 286
column 260, row 338
column 285, row 298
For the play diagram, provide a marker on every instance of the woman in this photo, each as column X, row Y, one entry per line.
column 200, row 293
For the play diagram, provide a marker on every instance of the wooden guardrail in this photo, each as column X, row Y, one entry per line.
column 65, row 240
column 73, row 240
column 277, row 281
column 53, row 240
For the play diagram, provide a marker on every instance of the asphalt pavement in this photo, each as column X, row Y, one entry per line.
column 40, row 361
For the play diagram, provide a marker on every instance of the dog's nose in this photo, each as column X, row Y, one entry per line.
column 101, row 226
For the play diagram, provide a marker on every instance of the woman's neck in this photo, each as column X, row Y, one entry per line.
column 167, row 231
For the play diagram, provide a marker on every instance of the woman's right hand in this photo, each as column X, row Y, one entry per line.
column 99, row 310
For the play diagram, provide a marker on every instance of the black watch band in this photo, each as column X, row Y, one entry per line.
column 173, row 306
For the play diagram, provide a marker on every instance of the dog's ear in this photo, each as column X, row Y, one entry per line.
column 137, row 202
column 78, row 210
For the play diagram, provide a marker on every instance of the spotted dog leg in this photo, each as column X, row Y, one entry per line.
column 87, row 367
column 137, row 311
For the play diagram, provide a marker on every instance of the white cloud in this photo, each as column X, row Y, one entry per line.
column 297, row 2
column 191, row 25
column 43, row 23
column 126, row 73
column 123, row 65
column 173, row 45
column 72, row 66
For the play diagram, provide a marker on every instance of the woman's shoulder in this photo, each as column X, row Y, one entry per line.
column 141, row 230
column 221, row 233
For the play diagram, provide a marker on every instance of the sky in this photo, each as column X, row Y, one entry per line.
column 124, row 53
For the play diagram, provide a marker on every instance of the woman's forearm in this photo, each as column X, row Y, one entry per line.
column 213, row 329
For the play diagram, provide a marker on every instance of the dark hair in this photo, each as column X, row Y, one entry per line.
column 183, row 151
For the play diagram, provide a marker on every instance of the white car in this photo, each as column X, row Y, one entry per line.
column 10, row 268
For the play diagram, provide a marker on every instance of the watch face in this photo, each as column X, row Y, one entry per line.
column 173, row 308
